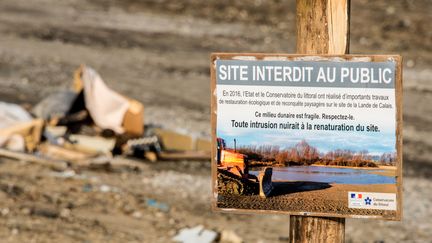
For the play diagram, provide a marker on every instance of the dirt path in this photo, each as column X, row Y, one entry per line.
column 158, row 52
column 42, row 205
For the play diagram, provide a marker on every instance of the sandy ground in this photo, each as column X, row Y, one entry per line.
column 382, row 169
column 158, row 52
column 302, row 196
column 386, row 171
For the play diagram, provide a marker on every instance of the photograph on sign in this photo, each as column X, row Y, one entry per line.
column 307, row 135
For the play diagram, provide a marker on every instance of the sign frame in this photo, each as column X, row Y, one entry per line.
column 310, row 57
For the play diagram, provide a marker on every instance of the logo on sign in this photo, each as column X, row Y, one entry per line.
column 372, row 200
column 368, row 201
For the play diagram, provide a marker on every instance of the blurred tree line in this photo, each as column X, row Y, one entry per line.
column 304, row 154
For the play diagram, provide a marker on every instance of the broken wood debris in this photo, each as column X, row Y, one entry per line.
column 91, row 126
column 55, row 164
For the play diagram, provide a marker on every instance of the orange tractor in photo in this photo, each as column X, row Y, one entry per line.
column 233, row 173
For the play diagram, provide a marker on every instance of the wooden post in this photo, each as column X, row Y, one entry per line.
column 316, row 229
column 322, row 28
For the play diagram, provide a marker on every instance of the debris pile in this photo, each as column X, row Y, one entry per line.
column 88, row 125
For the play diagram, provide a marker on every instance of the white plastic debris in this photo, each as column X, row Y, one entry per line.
column 106, row 107
column 10, row 114
column 195, row 235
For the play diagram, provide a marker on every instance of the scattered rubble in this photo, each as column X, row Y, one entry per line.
column 87, row 129
column 86, row 126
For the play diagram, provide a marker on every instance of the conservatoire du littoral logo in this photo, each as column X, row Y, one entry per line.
column 368, row 201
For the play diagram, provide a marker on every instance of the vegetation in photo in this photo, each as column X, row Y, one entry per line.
column 304, row 154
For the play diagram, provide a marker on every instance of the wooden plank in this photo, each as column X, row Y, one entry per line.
column 399, row 138
column 296, row 57
column 338, row 26
column 106, row 163
column 172, row 140
column 185, row 155
column 203, row 145
column 55, row 164
column 60, row 153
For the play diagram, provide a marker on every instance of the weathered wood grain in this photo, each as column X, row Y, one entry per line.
column 322, row 28
column 316, row 229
